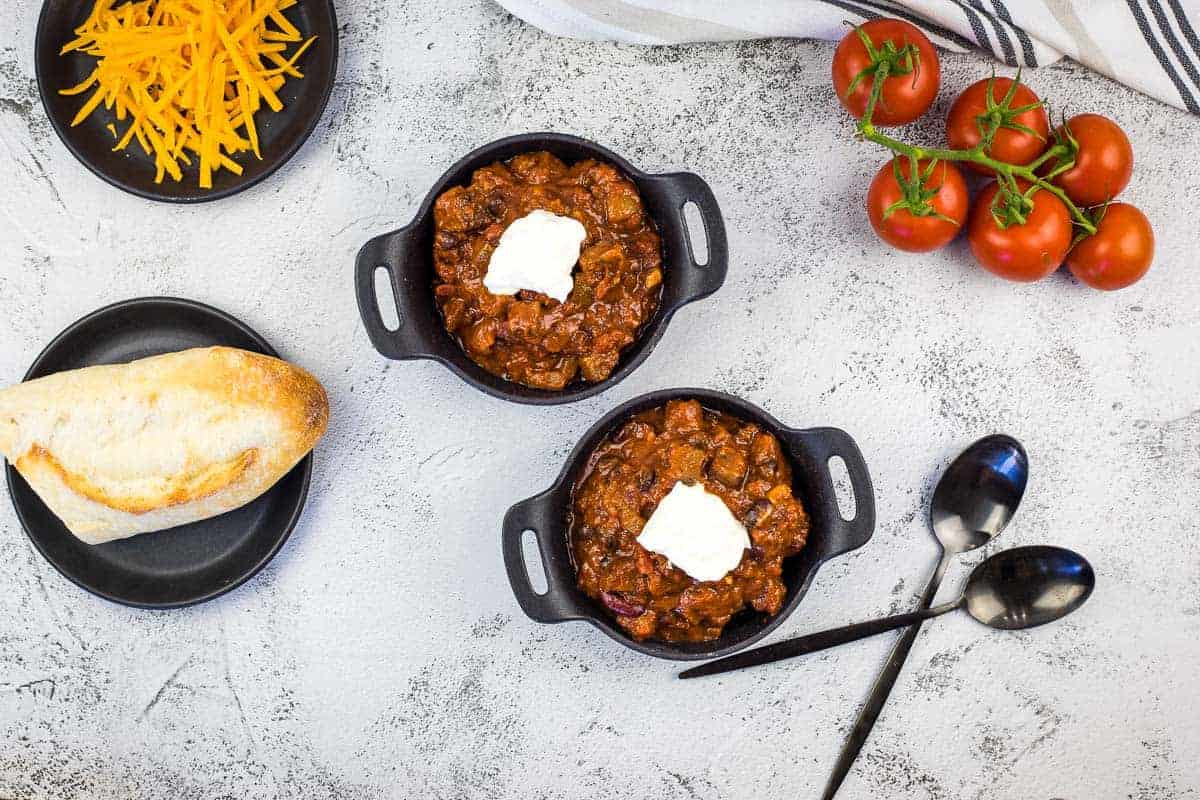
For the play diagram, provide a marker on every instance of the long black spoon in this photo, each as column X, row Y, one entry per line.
column 1014, row 589
column 973, row 502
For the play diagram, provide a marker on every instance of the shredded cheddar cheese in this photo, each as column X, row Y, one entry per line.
column 188, row 76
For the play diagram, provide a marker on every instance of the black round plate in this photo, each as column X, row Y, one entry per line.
column 280, row 134
column 179, row 566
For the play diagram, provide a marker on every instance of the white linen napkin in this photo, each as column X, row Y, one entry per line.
column 1150, row 45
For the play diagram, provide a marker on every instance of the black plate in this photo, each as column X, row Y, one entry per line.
column 179, row 566
column 810, row 450
column 280, row 134
column 407, row 256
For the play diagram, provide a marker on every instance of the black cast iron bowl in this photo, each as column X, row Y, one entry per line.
column 407, row 256
column 280, row 134
column 809, row 451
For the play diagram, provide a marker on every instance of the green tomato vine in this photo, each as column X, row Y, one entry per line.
column 1012, row 204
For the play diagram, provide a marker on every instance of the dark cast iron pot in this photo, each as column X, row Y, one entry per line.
column 407, row 256
column 809, row 450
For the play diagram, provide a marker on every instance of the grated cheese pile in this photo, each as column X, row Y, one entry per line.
column 188, row 76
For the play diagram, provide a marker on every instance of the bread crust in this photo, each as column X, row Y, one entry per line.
column 125, row 449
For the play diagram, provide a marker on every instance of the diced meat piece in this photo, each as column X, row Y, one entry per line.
column 492, row 234
column 770, row 597
column 455, row 312
column 490, row 177
column 757, row 489
column 779, row 495
column 448, row 270
column 614, row 290
column 631, row 520
column 599, row 174
column 556, row 341
column 745, row 434
column 597, row 367
column 647, row 245
column 640, row 627
column 720, row 435
column 539, row 167
column 524, row 318
column 696, row 601
column 563, row 334
column 686, row 462
column 598, row 256
column 764, row 450
column 456, row 211
column 634, row 430
column 611, row 340
column 622, row 208
column 480, row 337
column 728, row 466
column 684, row 415
column 553, row 379
column 490, row 305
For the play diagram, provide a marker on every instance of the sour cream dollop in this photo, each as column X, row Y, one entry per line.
column 697, row 532
column 536, row 252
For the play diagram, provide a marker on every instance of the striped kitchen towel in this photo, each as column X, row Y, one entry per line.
column 1150, row 45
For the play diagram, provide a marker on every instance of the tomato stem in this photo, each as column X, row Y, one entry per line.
column 1005, row 172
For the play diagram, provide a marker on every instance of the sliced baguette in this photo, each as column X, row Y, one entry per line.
column 125, row 449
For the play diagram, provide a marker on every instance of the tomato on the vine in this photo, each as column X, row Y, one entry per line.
column 1103, row 161
column 939, row 212
column 1011, row 109
column 1119, row 253
column 1020, row 251
column 1021, row 227
column 910, row 88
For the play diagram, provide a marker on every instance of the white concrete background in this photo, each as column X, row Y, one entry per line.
column 382, row 653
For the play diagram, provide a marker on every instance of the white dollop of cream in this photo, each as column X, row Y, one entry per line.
column 536, row 252
column 697, row 532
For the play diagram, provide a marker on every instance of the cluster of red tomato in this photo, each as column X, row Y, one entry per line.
column 1052, row 200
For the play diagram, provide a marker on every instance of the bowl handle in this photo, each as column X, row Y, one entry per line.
column 391, row 251
column 822, row 444
column 675, row 190
column 538, row 515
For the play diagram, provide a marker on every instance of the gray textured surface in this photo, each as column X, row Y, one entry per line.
column 335, row 673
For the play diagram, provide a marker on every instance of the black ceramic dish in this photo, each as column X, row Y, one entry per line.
column 829, row 534
column 184, row 565
column 407, row 255
column 280, row 134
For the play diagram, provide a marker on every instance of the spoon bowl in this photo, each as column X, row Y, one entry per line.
column 1028, row 586
column 979, row 493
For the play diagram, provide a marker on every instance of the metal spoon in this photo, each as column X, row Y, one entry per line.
column 1015, row 589
column 972, row 504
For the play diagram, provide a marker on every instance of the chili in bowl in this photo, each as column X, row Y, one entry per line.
column 545, row 343
column 687, row 524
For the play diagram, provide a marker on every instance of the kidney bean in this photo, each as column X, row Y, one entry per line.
column 619, row 605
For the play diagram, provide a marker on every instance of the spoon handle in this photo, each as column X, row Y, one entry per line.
column 882, row 689
column 804, row 645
